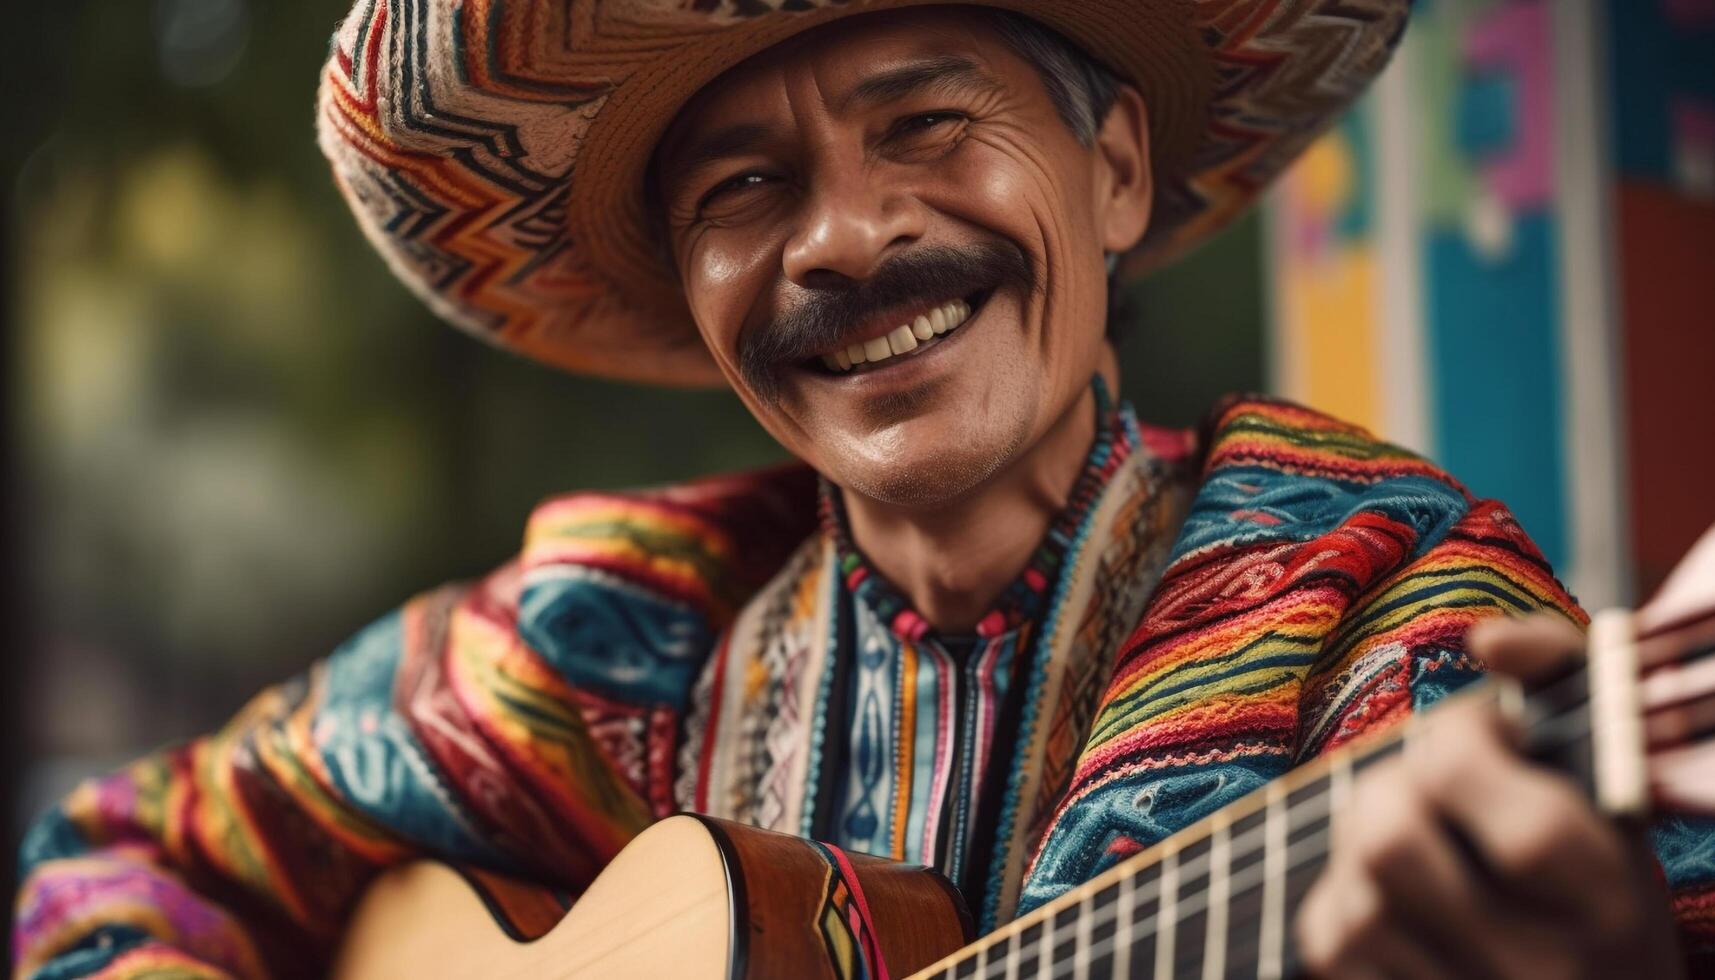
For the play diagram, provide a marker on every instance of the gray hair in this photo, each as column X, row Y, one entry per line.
column 1081, row 88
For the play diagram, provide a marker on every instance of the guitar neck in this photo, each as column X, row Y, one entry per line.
column 1215, row 899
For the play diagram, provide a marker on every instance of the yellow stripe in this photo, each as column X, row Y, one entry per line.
column 904, row 755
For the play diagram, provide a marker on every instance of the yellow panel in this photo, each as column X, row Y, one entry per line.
column 1332, row 308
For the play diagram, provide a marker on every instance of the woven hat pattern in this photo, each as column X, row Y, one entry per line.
column 493, row 150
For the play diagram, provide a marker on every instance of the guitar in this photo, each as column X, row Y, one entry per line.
column 694, row 896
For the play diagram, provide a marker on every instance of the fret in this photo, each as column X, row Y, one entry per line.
column 1271, row 931
column 1339, row 782
column 1045, row 949
column 1165, row 913
column 1007, row 966
column 1124, row 911
column 1104, row 910
column 1380, row 751
column 1308, row 838
column 1193, row 912
column 967, row 967
column 1030, row 958
column 1081, row 952
column 1146, row 907
column 1215, row 938
column 1249, row 835
column 1307, row 811
column 1066, row 930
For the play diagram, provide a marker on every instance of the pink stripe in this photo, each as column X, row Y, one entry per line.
column 985, row 712
column 943, row 750
column 874, row 956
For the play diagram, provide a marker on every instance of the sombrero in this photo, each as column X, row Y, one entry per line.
column 494, row 151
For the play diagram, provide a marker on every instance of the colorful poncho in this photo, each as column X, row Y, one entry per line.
column 1211, row 609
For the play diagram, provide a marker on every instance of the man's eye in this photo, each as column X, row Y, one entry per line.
column 742, row 182
column 925, row 121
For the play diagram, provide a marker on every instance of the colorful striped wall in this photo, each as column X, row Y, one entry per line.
column 1505, row 257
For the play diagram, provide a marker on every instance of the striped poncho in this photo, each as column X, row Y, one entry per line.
column 1212, row 609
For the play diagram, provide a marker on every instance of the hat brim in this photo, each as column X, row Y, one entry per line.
column 496, row 153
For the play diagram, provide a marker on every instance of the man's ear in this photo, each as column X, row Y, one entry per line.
column 1125, row 183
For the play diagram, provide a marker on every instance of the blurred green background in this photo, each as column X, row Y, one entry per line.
column 237, row 438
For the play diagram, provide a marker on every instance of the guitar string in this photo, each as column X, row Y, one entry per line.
column 1244, row 882
column 1098, row 917
column 1199, row 865
column 1247, row 880
column 1189, row 870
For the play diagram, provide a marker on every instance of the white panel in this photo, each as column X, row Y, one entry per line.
column 1598, row 570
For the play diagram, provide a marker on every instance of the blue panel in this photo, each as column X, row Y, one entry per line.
column 1653, row 62
column 1357, row 211
column 1488, row 105
column 1497, row 394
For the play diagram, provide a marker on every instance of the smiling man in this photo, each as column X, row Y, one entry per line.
column 991, row 622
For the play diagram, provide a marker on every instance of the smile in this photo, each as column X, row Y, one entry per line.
column 902, row 341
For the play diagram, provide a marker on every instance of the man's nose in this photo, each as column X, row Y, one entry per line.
column 848, row 227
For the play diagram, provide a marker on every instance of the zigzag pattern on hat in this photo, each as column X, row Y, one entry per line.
column 455, row 127
column 1284, row 70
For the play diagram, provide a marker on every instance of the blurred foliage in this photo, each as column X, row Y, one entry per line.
column 243, row 439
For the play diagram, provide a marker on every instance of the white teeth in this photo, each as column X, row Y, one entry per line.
column 902, row 340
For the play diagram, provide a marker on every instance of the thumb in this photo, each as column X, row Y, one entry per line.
column 1526, row 647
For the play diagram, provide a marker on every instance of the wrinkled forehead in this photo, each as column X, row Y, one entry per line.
column 840, row 57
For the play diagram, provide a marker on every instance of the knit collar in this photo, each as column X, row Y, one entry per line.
column 1023, row 599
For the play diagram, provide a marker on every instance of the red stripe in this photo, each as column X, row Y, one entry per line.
column 706, row 757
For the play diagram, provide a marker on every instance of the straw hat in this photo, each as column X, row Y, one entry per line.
column 494, row 150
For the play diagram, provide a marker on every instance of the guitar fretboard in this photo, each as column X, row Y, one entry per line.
column 1215, row 900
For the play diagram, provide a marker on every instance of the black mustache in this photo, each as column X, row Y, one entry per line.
column 826, row 316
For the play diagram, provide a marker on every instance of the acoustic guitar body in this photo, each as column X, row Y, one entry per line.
column 691, row 897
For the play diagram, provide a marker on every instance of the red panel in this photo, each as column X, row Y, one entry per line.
column 1667, row 296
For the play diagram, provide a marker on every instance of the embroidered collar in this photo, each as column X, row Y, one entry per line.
column 1023, row 599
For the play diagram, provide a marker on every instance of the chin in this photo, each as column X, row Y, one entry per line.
column 916, row 471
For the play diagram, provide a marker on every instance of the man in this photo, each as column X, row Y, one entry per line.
column 995, row 625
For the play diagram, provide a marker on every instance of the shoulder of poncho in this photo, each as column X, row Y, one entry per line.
column 1272, row 474
column 1273, row 434
column 708, row 543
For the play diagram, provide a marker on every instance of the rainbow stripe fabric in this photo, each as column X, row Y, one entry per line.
column 1225, row 605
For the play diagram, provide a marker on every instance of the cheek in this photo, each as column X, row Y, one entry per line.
column 725, row 275
column 998, row 189
column 1040, row 197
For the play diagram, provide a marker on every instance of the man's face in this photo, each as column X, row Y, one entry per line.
column 897, row 191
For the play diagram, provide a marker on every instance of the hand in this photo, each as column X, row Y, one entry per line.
column 1458, row 858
